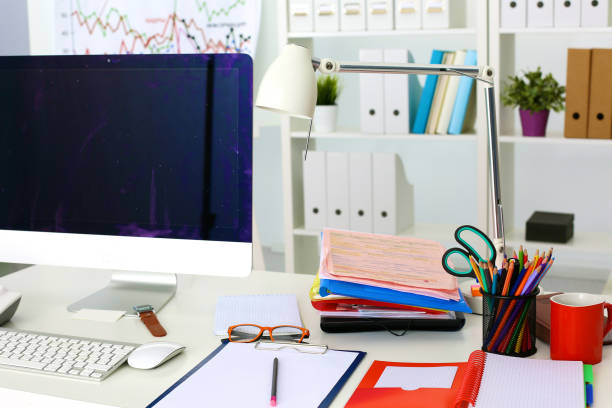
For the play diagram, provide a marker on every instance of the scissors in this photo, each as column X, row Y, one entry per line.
column 463, row 268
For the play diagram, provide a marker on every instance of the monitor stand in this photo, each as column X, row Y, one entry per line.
column 128, row 289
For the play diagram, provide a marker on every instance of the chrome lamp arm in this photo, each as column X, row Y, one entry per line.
column 482, row 74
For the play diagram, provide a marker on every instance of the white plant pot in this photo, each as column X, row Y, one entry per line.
column 324, row 119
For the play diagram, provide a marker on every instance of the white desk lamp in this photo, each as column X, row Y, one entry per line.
column 289, row 86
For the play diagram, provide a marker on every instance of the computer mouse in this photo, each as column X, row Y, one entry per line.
column 151, row 355
column 9, row 301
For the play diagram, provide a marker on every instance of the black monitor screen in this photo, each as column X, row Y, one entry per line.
column 137, row 145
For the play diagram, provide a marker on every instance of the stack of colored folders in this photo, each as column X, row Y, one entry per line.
column 383, row 276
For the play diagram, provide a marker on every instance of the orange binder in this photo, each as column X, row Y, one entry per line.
column 600, row 101
column 578, row 83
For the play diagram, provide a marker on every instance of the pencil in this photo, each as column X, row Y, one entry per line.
column 508, row 278
column 274, row 382
column 476, row 270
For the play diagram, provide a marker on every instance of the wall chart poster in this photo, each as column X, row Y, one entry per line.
column 156, row 26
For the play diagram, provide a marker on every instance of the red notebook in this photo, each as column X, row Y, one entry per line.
column 482, row 382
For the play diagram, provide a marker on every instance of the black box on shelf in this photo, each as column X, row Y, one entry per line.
column 550, row 227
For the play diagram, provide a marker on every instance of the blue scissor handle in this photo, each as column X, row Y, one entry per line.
column 469, row 248
column 448, row 268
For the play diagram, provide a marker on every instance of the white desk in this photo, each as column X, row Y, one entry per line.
column 189, row 319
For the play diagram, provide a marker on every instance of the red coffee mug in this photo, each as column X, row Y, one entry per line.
column 577, row 327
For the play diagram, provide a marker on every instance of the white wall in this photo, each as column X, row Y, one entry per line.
column 14, row 28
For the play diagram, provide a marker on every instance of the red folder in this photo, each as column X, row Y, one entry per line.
column 366, row 396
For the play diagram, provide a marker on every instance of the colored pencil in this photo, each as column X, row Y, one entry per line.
column 508, row 277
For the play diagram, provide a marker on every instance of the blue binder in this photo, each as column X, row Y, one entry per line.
column 463, row 98
column 329, row 286
column 420, row 122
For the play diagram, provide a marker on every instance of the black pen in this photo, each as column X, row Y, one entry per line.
column 274, row 380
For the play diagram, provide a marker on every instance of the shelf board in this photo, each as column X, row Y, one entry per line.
column 585, row 248
column 555, row 140
column 442, row 233
column 389, row 33
column 557, row 30
column 342, row 134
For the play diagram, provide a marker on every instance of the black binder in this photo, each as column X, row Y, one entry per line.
column 361, row 324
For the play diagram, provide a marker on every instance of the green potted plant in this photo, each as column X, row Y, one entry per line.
column 535, row 94
column 328, row 90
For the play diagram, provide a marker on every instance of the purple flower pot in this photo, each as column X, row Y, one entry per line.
column 534, row 123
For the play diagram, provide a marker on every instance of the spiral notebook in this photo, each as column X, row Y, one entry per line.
column 485, row 381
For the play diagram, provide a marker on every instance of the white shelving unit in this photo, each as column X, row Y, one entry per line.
column 568, row 175
column 302, row 246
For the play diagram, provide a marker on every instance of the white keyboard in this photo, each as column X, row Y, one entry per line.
column 74, row 357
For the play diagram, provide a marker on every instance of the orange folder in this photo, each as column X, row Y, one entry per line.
column 577, row 92
column 366, row 396
column 600, row 102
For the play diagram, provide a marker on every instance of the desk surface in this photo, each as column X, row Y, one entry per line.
column 189, row 319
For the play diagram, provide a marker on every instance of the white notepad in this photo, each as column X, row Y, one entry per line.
column 520, row 382
column 263, row 310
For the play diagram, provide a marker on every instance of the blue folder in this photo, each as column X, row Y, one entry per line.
column 463, row 98
column 329, row 286
column 420, row 122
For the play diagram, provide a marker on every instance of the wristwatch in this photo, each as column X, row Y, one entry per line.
column 148, row 317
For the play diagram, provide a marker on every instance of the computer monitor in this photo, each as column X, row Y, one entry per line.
column 131, row 163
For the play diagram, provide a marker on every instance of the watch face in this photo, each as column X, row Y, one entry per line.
column 143, row 308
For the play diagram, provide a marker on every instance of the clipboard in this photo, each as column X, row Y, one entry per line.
column 239, row 374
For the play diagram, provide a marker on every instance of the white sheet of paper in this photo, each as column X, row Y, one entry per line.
column 412, row 378
column 241, row 376
column 263, row 310
column 107, row 316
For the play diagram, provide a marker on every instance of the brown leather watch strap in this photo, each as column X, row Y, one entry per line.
column 150, row 320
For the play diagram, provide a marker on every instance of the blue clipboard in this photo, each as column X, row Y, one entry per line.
column 325, row 403
column 336, row 287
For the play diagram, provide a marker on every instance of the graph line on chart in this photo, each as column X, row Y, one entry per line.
column 163, row 26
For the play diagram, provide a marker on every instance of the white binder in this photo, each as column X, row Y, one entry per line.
column 448, row 103
column 436, row 14
column 360, row 188
column 300, row 16
column 396, row 103
column 371, row 94
column 393, row 196
column 539, row 13
column 315, row 191
column 594, row 13
column 513, row 13
column 352, row 15
column 567, row 13
column 407, row 14
column 337, row 190
column 379, row 14
column 326, row 15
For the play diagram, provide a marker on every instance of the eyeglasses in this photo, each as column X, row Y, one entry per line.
column 246, row 333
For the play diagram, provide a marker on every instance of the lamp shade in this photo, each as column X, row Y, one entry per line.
column 289, row 85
